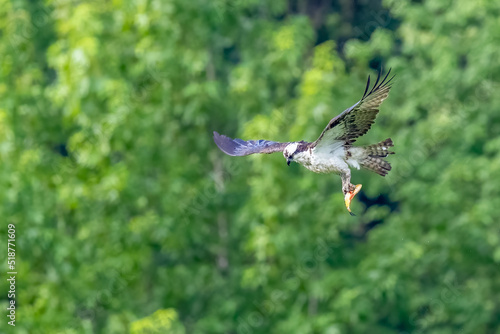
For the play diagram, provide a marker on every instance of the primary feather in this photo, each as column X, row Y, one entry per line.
column 239, row 147
column 358, row 119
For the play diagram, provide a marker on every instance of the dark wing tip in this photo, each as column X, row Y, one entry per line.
column 225, row 144
column 367, row 87
column 378, row 84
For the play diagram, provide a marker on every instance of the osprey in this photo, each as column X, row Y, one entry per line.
column 333, row 151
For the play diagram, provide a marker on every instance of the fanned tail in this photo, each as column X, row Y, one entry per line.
column 374, row 153
column 377, row 165
column 379, row 150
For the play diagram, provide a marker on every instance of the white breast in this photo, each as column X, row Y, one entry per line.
column 323, row 160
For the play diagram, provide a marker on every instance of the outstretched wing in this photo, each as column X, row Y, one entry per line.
column 356, row 120
column 238, row 147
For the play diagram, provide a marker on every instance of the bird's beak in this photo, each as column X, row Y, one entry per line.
column 349, row 196
column 288, row 161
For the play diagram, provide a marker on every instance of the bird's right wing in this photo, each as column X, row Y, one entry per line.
column 239, row 147
column 356, row 120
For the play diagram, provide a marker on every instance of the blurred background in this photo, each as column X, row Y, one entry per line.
column 130, row 220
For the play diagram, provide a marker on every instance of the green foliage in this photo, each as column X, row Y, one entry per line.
column 130, row 220
column 162, row 321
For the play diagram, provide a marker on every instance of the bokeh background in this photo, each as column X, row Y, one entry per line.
column 130, row 220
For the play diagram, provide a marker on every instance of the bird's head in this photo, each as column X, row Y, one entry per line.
column 289, row 151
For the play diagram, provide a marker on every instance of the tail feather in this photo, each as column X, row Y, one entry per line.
column 374, row 154
column 379, row 150
column 377, row 165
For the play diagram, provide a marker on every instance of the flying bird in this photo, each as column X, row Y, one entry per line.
column 333, row 151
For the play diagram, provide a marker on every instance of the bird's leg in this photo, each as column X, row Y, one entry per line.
column 350, row 190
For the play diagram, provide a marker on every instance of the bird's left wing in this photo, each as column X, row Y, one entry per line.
column 239, row 147
column 356, row 120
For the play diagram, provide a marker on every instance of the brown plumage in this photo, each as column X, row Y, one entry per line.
column 375, row 153
column 358, row 119
column 377, row 165
column 379, row 150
